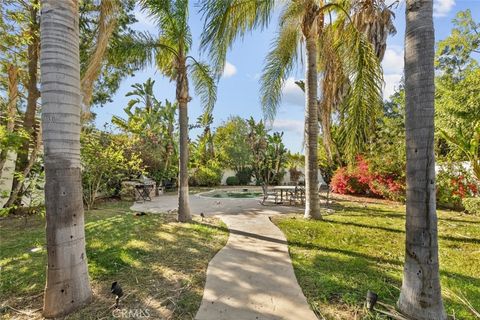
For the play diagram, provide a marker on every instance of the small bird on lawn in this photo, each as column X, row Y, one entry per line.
column 202, row 215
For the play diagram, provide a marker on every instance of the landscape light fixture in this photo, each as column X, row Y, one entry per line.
column 371, row 299
column 117, row 291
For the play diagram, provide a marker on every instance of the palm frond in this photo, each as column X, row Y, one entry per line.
column 203, row 83
column 227, row 20
column 139, row 49
column 172, row 20
column 363, row 102
column 280, row 61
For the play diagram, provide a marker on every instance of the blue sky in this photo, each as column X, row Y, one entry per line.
column 238, row 89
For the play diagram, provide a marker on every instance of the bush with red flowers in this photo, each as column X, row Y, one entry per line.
column 455, row 183
column 361, row 180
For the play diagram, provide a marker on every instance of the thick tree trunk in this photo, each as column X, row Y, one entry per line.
column 11, row 113
column 33, row 95
column 420, row 297
column 184, row 214
column 68, row 286
column 312, row 201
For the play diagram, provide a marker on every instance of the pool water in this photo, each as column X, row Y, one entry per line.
column 233, row 194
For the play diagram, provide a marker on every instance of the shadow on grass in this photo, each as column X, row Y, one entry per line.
column 444, row 237
column 161, row 265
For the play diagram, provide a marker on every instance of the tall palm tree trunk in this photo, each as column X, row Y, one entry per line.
column 68, row 285
column 312, row 201
column 183, row 98
column 420, row 297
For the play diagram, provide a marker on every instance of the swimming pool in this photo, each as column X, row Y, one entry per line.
column 233, row 193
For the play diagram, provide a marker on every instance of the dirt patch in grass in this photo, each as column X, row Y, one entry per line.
column 361, row 247
column 160, row 264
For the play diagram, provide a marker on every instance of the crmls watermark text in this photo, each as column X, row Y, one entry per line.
column 131, row 313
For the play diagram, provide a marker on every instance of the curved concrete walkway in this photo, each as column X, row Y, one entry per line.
column 252, row 277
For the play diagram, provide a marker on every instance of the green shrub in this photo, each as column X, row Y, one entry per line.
column 455, row 183
column 471, row 205
column 244, row 176
column 208, row 175
column 106, row 161
column 233, row 181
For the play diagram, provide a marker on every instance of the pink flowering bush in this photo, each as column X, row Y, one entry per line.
column 361, row 180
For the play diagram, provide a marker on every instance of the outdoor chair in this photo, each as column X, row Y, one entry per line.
column 267, row 194
column 324, row 188
column 143, row 190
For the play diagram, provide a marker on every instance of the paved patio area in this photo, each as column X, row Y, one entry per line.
column 252, row 277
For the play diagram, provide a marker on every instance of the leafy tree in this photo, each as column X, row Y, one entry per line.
column 105, row 163
column 454, row 54
column 305, row 21
column 269, row 154
column 233, row 149
column 457, row 98
column 295, row 161
column 104, row 25
column 153, row 124
column 386, row 152
column 171, row 51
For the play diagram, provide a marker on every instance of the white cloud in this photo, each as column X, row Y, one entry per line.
column 286, row 125
column 229, row 71
column 391, row 83
column 393, row 60
column 442, row 7
column 292, row 94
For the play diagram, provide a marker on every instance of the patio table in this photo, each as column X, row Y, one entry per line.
column 295, row 190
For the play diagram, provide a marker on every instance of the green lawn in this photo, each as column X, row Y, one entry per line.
column 361, row 247
column 160, row 264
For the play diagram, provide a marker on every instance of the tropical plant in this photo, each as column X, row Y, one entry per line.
column 269, row 154
column 153, row 125
column 227, row 20
column 68, row 285
column 106, row 161
column 294, row 162
column 420, row 295
column 454, row 183
column 20, row 34
column 232, row 149
column 103, row 25
column 171, row 51
column 457, row 98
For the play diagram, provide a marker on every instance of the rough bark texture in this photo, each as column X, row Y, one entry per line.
column 312, row 201
column 420, row 297
column 33, row 95
column 184, row 214
column 68, row 286
column 11, row 113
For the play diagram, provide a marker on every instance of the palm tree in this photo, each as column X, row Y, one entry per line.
column 373, row 18
column 67, row 285
column 154, row 123
column 420, row 296
column 300, row 22
column 171, row 51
